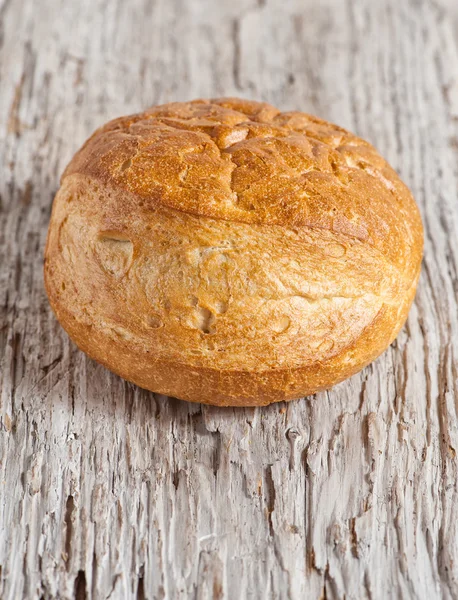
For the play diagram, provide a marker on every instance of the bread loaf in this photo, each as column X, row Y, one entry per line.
column 222, row 251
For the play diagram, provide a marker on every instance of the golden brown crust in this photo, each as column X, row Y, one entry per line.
column 224, row 252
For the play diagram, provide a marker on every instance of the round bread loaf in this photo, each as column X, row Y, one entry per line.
column 224, row 252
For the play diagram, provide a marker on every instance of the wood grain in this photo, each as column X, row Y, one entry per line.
column 107, row 491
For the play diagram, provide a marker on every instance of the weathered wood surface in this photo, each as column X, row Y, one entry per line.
column 107, row 491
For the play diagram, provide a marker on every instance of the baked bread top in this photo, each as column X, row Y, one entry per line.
column 227, row 238
column 247, row 162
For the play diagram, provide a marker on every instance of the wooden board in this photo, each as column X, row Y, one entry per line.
column 107, row 491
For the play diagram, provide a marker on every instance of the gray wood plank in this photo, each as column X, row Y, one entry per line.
column 107, row 491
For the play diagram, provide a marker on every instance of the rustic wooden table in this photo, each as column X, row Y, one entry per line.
column 107, row 491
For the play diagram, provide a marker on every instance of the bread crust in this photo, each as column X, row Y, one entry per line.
column 224, row 252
